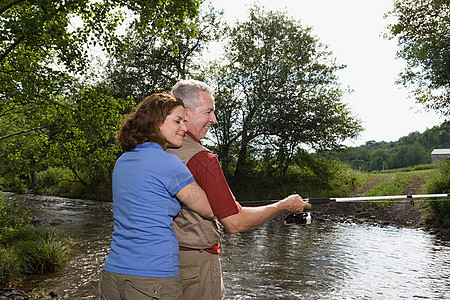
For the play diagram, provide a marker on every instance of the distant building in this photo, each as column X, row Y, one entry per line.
column 439, row 154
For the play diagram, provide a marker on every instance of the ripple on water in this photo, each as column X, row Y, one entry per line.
column 339, row 261
column 319, row 261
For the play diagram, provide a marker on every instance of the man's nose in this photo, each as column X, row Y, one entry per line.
column 212, row 118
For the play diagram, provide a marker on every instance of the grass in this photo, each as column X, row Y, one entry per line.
column 420, row 180
column 27, row 249
column 402, row 182
column 33, row 250
column 395, row 184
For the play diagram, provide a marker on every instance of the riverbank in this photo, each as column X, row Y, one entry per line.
column 401, row 214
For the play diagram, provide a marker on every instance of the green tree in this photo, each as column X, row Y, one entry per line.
column 422, row 28
column 277, row 91
column 41, row 42
column 82, row 134
column 146, row 61
column 50, row 25
column 408, row 155
column 48, row 117
column 79, row 136
column 378, row 160
column 410, row 150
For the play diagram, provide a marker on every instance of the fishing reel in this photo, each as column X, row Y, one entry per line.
column 301, row 218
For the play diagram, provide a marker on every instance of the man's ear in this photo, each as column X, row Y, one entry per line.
column 187, row 111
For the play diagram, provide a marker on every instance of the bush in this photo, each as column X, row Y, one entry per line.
column 61, row 182
column 14, row 184
column 308, row 176
column 422, row 167
column 13, row 213
column 438, row 184
column 55, row 182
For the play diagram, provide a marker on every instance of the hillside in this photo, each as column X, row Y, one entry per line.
column 411, row 150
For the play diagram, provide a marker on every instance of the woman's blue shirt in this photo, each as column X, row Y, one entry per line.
column 145, row 181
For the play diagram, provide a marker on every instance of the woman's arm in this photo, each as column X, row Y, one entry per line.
column 195, row 198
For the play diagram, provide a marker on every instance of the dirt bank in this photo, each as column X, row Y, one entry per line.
column 400, row 214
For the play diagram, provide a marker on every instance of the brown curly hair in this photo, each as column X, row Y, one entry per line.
column 142, row 124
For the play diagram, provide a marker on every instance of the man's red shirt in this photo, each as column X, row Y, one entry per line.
column 208, row 174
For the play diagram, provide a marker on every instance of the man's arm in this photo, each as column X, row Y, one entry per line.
column 252, row 217
column 207, row 173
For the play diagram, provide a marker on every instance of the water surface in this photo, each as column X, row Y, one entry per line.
column 317, row 261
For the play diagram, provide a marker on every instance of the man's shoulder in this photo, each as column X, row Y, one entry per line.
column 205, row 154
column 202, row 156
column 205, row 161
column 189, row 149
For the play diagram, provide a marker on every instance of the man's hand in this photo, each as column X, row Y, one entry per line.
column 293, row 204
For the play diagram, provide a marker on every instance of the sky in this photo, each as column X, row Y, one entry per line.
column 353, row 31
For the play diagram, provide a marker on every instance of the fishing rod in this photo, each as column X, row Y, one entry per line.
column 306, row 218
column 372, row 198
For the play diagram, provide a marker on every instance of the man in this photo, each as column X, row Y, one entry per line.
column 199, row 239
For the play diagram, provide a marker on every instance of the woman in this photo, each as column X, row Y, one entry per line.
column 143, row 260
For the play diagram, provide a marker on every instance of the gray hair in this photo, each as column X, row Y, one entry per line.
column 187, row 91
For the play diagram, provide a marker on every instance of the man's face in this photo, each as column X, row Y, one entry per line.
column 202, row 117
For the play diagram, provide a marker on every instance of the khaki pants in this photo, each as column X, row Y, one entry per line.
column 115, row 286
column 201, row 275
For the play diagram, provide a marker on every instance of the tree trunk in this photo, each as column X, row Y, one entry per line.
column 224, row 158
column 34, row 178
column 241, row 158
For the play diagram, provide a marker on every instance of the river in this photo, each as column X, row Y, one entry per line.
column 275, row 261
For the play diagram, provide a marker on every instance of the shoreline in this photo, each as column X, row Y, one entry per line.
column 401, row 214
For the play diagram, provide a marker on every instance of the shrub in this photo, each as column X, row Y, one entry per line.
column 437, row 184
column 14, row 184
column 309, row 176
column 62, row 182
column 54, row 181
column 13, row 213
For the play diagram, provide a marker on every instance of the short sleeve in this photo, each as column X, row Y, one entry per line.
column 208, row 174
column 177, row 175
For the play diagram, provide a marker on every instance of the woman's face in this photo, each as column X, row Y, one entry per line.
column 173, row 128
